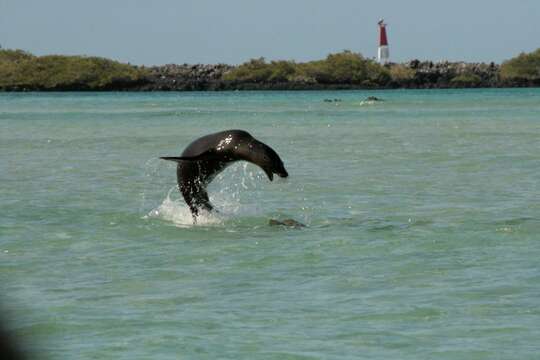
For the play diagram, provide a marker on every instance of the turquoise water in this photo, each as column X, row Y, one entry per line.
column 423, row 236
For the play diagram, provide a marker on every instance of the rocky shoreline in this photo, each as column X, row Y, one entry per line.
column 173, row 77
column 22, row 71
column 417, row 75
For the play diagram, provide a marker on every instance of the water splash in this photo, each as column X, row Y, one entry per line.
column 153, row 177
column 227, row 193
column 177, row 212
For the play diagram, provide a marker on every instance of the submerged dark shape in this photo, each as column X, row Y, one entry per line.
column 287, row 222
column 207, row 156
column 373, row 98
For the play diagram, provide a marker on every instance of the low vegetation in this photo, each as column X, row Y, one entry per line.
column 524, row 67
column 345, row 68
column 20, row 70
column 466, row 80
column 401, row 73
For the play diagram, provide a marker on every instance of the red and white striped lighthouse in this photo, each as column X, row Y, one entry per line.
column 384, row 53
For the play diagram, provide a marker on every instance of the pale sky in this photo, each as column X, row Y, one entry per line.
column 233, row 31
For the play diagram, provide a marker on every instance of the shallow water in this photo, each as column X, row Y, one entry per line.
column 422, row 237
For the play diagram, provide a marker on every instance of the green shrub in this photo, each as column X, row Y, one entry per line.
column 282, row 71
column 7, row 55
column 401, row 73
column 377, row 73
column 467, row 79
column 524, row 66
column 255, row 70
column 346, row 68
column 19, row 69
column 341, row 68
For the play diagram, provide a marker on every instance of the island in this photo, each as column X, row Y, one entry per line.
column 22, row 71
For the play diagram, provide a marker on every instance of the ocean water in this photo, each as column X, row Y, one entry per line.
column 422, row 237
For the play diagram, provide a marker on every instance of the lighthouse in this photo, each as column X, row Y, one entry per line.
column 384, row 53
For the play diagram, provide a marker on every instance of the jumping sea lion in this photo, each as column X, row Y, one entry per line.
column 207, row 156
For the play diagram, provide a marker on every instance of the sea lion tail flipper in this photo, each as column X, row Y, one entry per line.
column 174, row 158
column 203, row 156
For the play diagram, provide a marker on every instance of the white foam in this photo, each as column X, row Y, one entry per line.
column 177, row 212
column 367, row 102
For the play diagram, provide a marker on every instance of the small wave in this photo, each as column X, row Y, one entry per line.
column 514, row 221
column 375, row 224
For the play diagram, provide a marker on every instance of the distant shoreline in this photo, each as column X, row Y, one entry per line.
column 21, row 71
